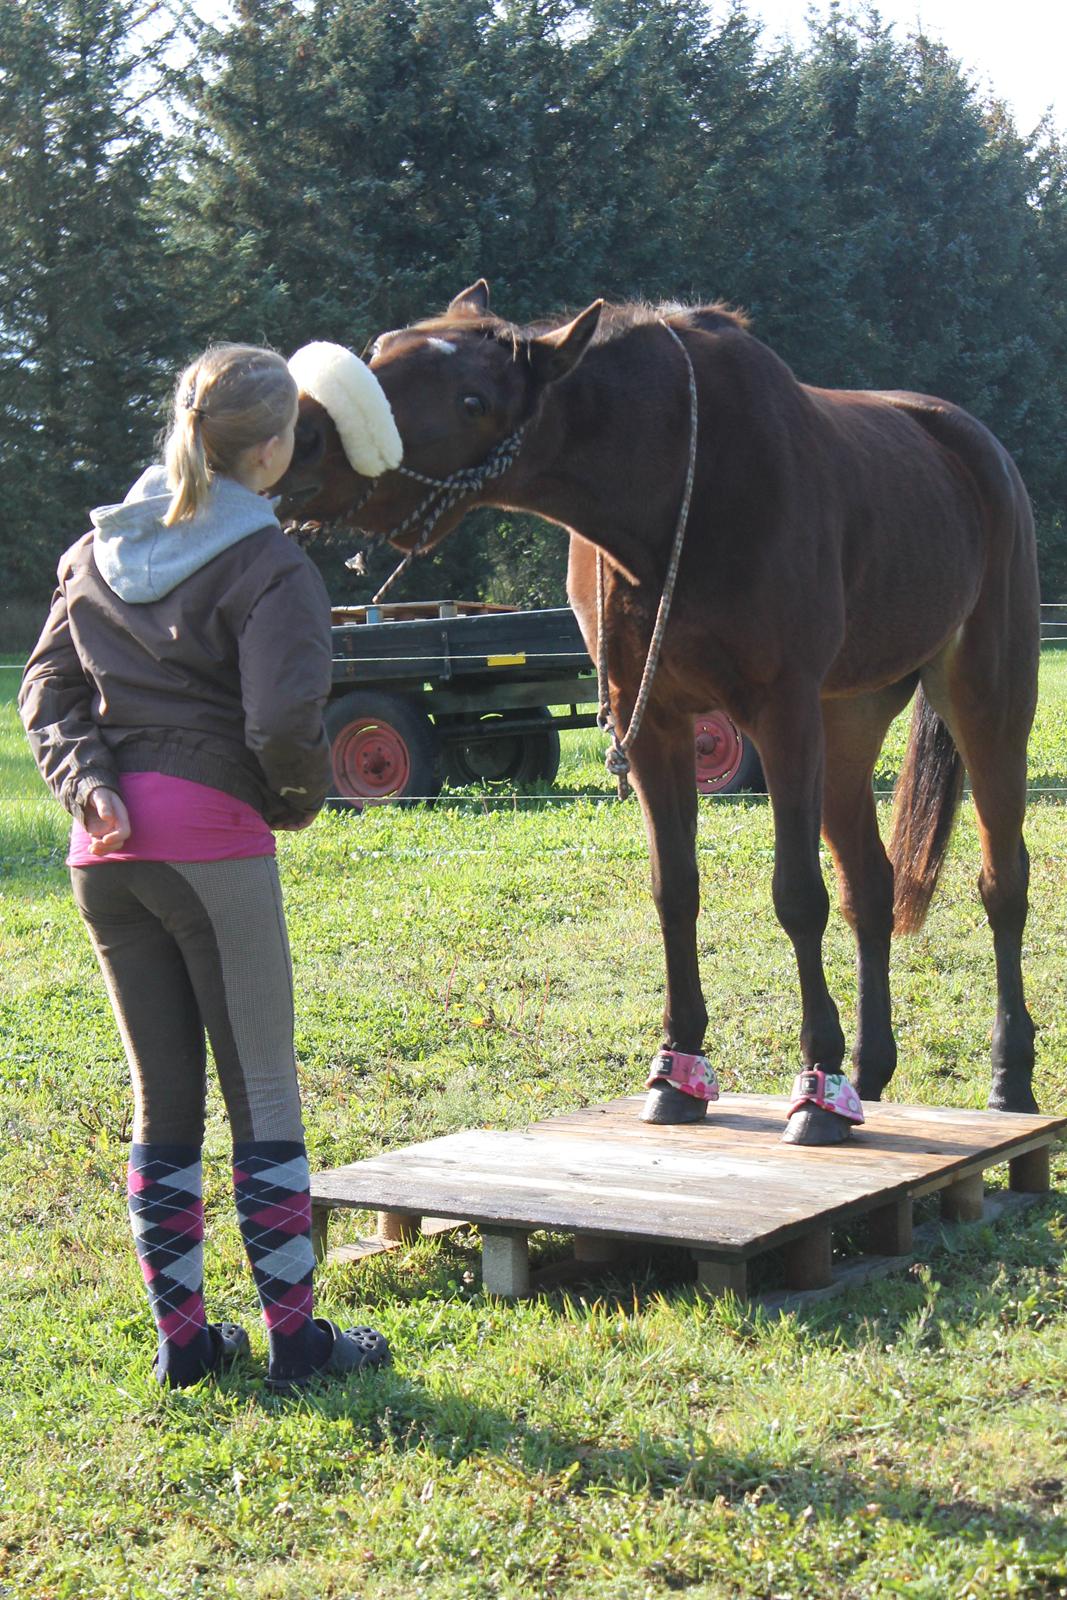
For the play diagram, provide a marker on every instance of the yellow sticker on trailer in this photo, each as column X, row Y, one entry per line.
column 506, row 661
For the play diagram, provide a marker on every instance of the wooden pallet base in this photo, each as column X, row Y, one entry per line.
column 726, row 1190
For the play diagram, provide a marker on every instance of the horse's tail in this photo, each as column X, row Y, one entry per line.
column 928, row 796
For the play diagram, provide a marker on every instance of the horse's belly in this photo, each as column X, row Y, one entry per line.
column 884, row 646
column 903, row 604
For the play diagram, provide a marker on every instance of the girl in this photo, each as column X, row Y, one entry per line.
column 174, row 706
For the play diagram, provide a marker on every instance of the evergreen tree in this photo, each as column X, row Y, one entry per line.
column 926, row 211
column 87, row 342
column 345, row 165
column 266, row 249
column 1045, row 460
column 943, row 230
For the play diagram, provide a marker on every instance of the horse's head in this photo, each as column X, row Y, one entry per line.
column 462, row 386
column 320, row 484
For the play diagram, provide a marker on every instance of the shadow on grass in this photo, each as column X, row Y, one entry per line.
column 972, row 1275
column 397, row 1415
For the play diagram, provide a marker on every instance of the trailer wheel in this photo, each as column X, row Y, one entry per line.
column 726, row 759
column 383, row 748
column 513, row 758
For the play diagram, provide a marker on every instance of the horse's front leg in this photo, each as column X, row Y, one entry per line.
column 663, row 774
column 789, row 733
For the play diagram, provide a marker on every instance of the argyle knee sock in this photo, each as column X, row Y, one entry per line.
column 272, row 1188
column 167, row 1216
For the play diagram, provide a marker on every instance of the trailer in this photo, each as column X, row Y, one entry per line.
column 470, row 693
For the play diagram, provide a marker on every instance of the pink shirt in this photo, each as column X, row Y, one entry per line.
column 173, row 819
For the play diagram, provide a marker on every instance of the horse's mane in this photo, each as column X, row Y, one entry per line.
column 615, row 320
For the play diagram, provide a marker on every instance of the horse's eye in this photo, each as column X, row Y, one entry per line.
column 309, row 445
column 474, row 405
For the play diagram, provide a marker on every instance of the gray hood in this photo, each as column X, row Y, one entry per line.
column 141, row 560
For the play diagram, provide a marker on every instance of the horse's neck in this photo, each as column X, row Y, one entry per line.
column 592, row 439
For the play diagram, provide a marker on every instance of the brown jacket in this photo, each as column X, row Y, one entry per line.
column 223, row 680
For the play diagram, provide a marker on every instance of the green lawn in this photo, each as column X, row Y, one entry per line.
column 472, row 966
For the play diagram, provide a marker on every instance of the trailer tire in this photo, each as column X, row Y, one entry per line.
column 727, row 762
column 384, row 747
column 513, row 759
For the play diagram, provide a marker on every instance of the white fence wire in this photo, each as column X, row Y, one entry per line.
column 1053, row 631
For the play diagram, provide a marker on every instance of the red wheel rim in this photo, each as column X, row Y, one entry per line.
column 719, row 749
column 371, row 760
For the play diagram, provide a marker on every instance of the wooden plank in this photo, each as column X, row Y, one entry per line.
column 684, row 1150
column 867, row 1269
column 358, row 1250
column 534, row 1203
column 704, row 1201
column 546, row 1201
column 587, row 1164
column 767, row 1113
column 876, row 1149
column 902, row 1155
column 728, row 1184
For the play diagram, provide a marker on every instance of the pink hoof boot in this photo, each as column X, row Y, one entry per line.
column 831, row 1090
column 829, row 1106
column 680, row 1088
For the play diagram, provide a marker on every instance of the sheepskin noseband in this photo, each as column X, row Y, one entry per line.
column 348, row 390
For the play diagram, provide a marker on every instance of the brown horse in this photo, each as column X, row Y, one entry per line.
column 842, row 550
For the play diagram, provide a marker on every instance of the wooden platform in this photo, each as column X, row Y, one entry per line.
column 726, row 1190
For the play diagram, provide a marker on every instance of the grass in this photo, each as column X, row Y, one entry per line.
column 476, row 965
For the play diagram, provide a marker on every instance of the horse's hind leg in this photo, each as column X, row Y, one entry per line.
column 855, row 731
column 989, row 715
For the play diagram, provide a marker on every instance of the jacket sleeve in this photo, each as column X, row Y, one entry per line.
column 55, row 704
column 285, row 649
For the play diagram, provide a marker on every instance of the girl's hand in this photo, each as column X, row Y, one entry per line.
column 107, row 822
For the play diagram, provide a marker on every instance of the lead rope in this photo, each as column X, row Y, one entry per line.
column 617, row 759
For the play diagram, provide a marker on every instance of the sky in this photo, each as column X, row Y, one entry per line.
column 1017, row 48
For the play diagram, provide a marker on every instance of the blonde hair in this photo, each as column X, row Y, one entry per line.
column 230, row 398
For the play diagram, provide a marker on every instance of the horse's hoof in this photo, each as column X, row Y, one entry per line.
column 813, row 1125
column 666, row 1104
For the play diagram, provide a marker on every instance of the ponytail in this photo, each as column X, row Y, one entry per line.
column 232, row 397
column 188, row 474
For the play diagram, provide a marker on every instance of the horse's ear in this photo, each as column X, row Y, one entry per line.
column 555, row 354
column 473, row 302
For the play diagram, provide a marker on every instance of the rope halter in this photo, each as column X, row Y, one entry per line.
column 446, row 493
column 617, row 759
